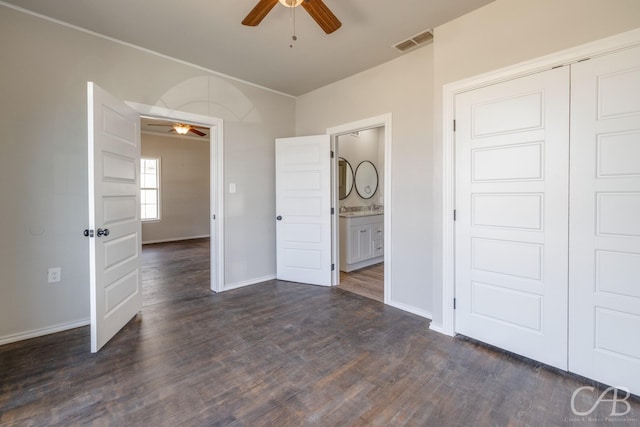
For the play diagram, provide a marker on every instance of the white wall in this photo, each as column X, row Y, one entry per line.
column 504, row 33
column 402, row 87
column 43, row 161
column 184, row 187
column 368, row 145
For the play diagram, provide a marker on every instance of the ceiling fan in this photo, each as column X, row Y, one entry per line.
column 182, row 128
column 316, row 8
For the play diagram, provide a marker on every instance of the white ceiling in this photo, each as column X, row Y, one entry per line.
column 208, row 33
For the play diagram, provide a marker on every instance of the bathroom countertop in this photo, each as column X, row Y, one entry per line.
column 361, row 213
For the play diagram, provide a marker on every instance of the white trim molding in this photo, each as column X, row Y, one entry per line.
column 43, row 331
column 255, row 281
column 174, row 239
column 411, row 309
column 216, row 179
column 564, row 57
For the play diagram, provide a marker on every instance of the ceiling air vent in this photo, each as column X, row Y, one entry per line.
column 413, row 42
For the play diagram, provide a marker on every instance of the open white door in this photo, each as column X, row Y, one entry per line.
column 114, row 214
column 604, row 262
column 303, row 209
column 512, row 151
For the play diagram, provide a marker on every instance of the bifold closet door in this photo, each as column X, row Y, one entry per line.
column 604, row 290
column 512, row 156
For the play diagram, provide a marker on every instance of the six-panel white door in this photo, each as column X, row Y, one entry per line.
column 512, row 215
column 604, row 284
column 303, row 209
column 114, row 214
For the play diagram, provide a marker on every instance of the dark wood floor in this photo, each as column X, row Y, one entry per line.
column 280, row 354
column 175, row 271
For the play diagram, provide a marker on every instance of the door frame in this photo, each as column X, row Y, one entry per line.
column 216, row 179
column 383, row 120
column 561, row 58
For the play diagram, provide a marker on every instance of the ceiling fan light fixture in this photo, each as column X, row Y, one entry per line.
column 181, row 129
column 291, row 3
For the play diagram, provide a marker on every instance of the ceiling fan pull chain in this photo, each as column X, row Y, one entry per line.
column 293, row 26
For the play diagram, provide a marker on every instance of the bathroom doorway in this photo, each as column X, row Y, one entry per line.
column 359, row 187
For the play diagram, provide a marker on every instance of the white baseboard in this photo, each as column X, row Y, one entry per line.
column 347, row 268
column 229, row 286
column 44, row 331
column 438, row 329
column 410, row 309
column 177, row 239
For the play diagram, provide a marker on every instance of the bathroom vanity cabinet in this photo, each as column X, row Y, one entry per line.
column 361, row 240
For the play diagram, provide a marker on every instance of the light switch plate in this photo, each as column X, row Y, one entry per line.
column 53, row 275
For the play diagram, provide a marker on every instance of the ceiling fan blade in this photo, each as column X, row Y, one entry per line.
column 259, row 12
column 197, row 132
column 199, row 127
column 322, row 15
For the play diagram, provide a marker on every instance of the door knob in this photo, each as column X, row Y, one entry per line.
column 102, row 232
column 279, row 217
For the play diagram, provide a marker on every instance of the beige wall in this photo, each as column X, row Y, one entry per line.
column 402, row 87
column 184, row 187
column 504, row 33
column 43, row 161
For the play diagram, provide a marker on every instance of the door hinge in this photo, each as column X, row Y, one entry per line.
column 214, row 217
column 333, row 211
column 454, row 303
column 88, row 233
column 454, row 215
column 332, row 154
column 333, row 267
column 454, row 125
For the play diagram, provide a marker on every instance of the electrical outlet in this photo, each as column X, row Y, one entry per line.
column 54, row 275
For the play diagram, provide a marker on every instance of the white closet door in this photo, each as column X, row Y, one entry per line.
column 604, row 325
column 512, row 144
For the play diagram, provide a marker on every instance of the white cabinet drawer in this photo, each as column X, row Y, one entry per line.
column 378, row 248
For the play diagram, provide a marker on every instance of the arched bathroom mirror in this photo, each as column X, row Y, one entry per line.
column 345, row 178
column 366, row 179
